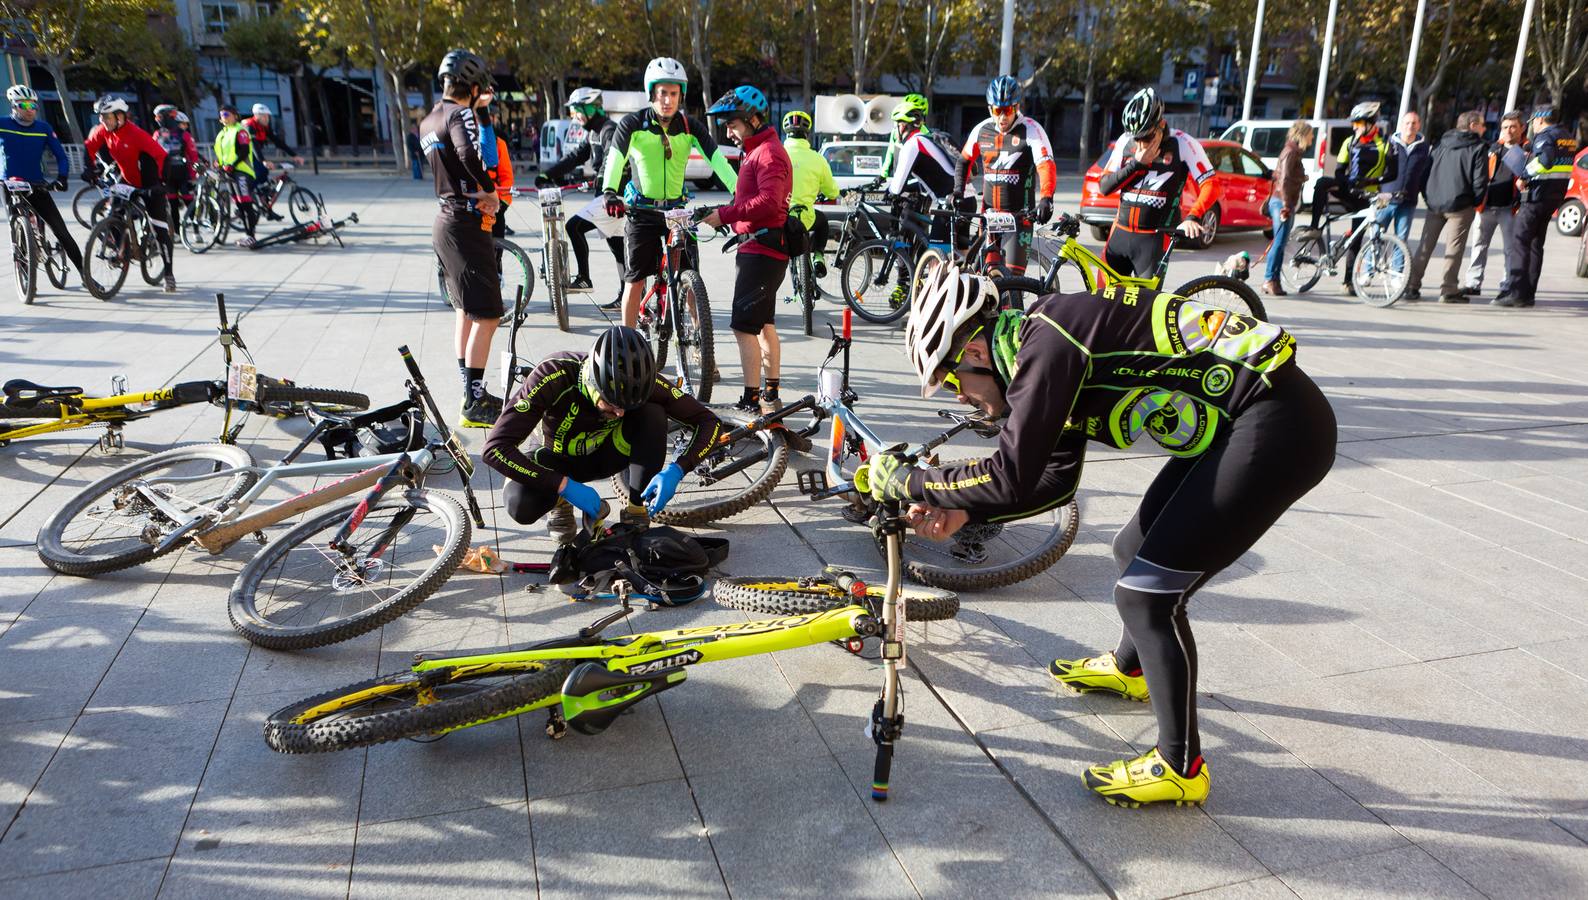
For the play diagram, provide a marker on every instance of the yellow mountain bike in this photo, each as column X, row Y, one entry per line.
column 30, row 409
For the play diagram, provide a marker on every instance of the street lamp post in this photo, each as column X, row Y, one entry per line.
column 1323, row 65
column 1521, row 53
column 1251, row 61
column 1411, row 59
column 1006, row 48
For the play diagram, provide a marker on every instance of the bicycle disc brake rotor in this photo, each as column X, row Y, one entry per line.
column 352, row 577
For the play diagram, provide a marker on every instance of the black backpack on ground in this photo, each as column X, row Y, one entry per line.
column 664, row 566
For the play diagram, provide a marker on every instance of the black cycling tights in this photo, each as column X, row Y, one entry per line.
column 1198, row 516
column 578, row 227
column 644, row 431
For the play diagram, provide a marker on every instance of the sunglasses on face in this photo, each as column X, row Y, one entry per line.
column 25, row 104
column 951, row 378
column 1004, row 110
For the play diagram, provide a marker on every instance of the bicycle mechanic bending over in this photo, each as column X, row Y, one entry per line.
column 758, row 212
column 586, row 107
column 461, row 236
column 1250, row 434
column 1017, row 163
column 1149, row 165
column 599, row 413
column 655, row 142
column 23, row 139
column 140, row 159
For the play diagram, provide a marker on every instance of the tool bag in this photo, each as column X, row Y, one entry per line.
column 664, row 566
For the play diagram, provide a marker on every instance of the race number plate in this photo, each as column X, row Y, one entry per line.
column 550, row 195
column 122, row 190
column 242, row 382
column 678, row 219
column 868, row 165
column 18, row 186
column 1000, row 222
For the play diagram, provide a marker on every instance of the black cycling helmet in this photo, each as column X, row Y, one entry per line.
column 463, row 67
column 620, row 369
column 1142, row 112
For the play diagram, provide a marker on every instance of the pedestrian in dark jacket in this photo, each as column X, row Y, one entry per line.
column 1497, row 212
column 1413, row 156
column 1457, row 181
column 1289, row 176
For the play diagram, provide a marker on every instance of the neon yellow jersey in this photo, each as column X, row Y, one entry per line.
column 226, row 148
column 813, row 177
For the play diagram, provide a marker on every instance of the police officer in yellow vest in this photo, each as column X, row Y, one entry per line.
column 1365, row 162
column 1549, row 156
column 234, row 154
column 813, row 177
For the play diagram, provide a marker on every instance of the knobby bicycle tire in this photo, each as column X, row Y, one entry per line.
column 694, row 309
column 863, row 254
column 459, row 703
column 1039, row 559
column 1233, row 287
column 110, row 233
column 805, row 290
column 243, row 608
column 330, row 398
column 557, row 282
column 1303, row 266
column 770, row 461
column 780, row 595
column 52, row 551
column 1017, row 291
column 25, row 258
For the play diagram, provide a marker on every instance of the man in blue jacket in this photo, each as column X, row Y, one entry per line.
column 23, row 139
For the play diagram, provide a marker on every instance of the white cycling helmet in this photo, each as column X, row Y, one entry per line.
column 942, row 302
column 21, row 92
column 262, row 110
column 665, row 70
column 1366, row 111
column 108, row 104
column 584, row 96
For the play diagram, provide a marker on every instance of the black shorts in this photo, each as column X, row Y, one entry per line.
column 468, row 262
column 755, row 291
column 1135, row 253
column 642, row 247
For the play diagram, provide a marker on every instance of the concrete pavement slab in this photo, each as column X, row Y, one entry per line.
column 1407, row 872
column 485, row 852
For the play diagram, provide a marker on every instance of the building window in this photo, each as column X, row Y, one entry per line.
column 263, row 8
column 1273, row 67
column 219, row 16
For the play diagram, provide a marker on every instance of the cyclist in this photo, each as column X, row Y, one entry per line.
column 599, row 413
column 1149, row 167
column 1016, row 160
column 1365, row 162
column 813, row 178
column 1550, row 151
column 181, row 158
column 1250, row 434
column 587, row 108
column 654, row 142
column 460, row 235
column 758, row 211
column 922, row 161
column 23, row 139
column 914, row 101
column 234, row 154
column 259, row 130
column 119, row 141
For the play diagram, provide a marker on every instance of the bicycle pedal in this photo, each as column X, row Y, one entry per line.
column 812, row 481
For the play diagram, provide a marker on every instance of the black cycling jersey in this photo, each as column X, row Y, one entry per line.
column 450, row 135
column 1016, row 164
column 571, row 425
column 922, row 157
column 1109, row 367
column 599, row 133
column 1150, row 198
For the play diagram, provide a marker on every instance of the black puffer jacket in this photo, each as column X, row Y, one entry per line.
column 598, row 134
column 1459, row 176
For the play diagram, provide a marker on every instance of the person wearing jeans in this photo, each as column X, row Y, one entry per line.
column 1457, row 180
column 1507, row 163
column 1412, row 156
column 1289, row 176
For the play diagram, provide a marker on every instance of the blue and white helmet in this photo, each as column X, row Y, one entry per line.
column 1003, row 91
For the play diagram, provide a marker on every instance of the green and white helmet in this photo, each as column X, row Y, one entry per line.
column 665, row 70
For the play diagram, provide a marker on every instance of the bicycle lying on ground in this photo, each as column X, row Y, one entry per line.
column 32, row 409
column 335, row 575
column 750, row 458
column 585, row 681
column 1381, row 268
column 31, row 242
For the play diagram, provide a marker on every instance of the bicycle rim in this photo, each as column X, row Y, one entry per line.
column 301, row 205
column 56, row 265
column 299, row 593
column 1304, row 265
column 697, row 354
column 1380, row 273
column 517, row 273
column 24, row 258
column 993, row 555
column 869, row 278
column 106, row 258
column 731, row 479
column 1224, row 292
column 110, row 524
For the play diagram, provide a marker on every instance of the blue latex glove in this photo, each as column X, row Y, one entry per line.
column 583, row 497
column 660, row 490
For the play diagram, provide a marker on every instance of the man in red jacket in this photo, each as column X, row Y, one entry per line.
column 758, row 211
column 117, row 141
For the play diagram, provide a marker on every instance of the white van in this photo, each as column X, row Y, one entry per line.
column 558, row 138
column 1266, row 138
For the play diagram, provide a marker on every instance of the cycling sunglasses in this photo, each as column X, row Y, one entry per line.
column 951, row 379
column 1003, row 110
column 25, row 104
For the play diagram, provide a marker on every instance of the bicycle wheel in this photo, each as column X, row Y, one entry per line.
column 780, row 595
column 298, row 397
column 298, row 593
column 406, row 704
column 697, row 353
column 81, row 204
column 201, row 224
column 302, row 205
column 517, row 272
column 106, row 258
column 870, row 278
column 992, row 555
column 731, row 479
column 1382, row 269
column 25, row 257
column 1225, row 292
column 99, row 211
column 1017, row 291
column 110, row 525
column 151, row 261
column 557, row 282
column 56, row 263
column 827, row 270
column 1304, row 265
column 805, row 290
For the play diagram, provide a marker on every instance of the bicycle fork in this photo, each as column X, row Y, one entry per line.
column 350, row 564
column 887, row 716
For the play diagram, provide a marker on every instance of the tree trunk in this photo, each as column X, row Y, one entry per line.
column 305, row 121
column 1086, row 109
column 399, row 146
column 57, row 70
column 700, row 52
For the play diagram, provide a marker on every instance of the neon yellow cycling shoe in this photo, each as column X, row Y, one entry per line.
column 1099, row 673
column 1148, row 779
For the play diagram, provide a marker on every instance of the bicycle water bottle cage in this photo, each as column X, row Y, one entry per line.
column 27, row 394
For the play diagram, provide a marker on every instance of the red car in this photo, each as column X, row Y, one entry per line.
column 1569, row 219
column 1246, row 182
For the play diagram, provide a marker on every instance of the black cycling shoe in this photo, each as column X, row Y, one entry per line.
column 612, row 304
column 580, row 285
column 272, row 215
column 480, row 412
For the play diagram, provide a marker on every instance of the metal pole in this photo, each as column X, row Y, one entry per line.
column 1411, row 58
column 1521, row 53
column 1006, row 49
column 1323, row 65
column 1251, row 61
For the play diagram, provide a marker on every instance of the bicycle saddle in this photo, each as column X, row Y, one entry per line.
column 25, row 393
